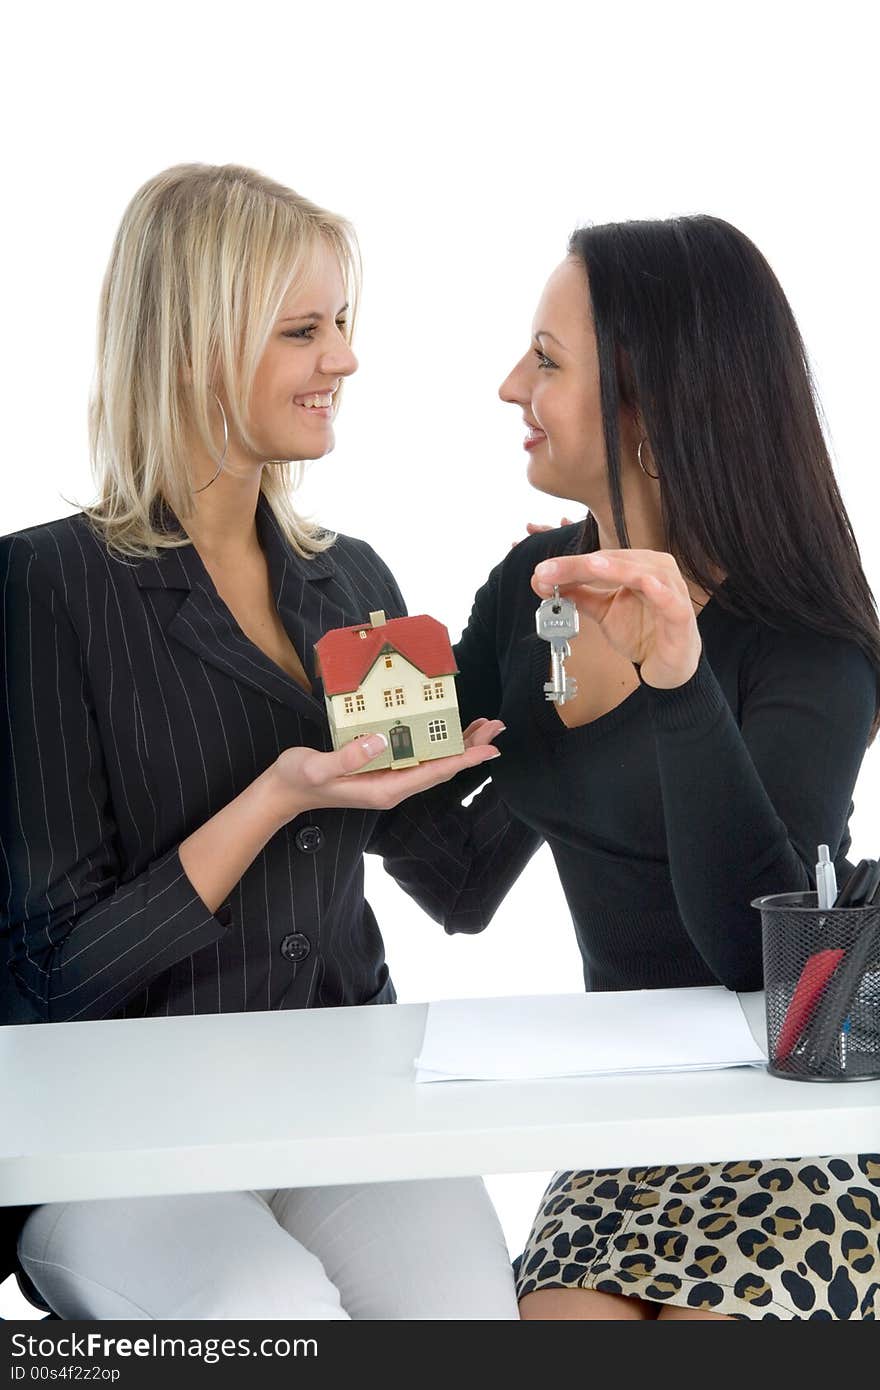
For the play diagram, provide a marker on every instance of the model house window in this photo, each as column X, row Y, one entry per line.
column 388, row 698
column 362, row 633
column 348, row 705
column 438, row 690
column 437, row 730
column 389, row 662
column 399, row 696
column 428, row 692
column 360, row 703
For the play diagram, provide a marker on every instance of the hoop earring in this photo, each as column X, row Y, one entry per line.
column 225, row 446
column 641, row 464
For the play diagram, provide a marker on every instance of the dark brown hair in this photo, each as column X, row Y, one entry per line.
column 695, row 333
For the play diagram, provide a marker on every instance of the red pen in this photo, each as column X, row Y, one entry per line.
column 808, row 991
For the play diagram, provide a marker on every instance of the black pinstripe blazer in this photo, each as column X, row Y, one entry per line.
column 134, row 709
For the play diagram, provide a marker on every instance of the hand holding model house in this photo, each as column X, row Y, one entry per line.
column 393, row 676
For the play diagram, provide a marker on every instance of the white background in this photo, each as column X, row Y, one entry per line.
column 465, row 143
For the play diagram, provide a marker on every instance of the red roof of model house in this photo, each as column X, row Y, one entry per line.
column 345, row 656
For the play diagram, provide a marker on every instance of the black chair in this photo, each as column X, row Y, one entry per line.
column 30, row 1293
column 14, row 1008
column 11, row 1219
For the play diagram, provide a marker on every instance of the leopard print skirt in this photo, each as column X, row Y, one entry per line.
column 790, row 1238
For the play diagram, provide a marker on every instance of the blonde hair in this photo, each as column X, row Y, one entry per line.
column 202, row 261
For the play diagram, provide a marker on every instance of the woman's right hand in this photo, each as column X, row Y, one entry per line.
column 308, row 780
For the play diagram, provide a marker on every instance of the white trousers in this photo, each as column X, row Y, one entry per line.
column 402, row 1250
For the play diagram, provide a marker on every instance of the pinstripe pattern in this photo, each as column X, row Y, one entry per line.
column 133, row 708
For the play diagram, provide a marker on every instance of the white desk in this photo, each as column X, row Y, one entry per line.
column 216, row 1103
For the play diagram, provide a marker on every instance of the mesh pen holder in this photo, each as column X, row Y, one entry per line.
column 822, row 988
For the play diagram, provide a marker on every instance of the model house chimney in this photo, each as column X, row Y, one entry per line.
column 378, row 618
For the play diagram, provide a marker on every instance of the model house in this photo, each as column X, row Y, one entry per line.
column 394, row 676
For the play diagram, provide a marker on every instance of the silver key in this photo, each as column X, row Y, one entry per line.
column 556, row 621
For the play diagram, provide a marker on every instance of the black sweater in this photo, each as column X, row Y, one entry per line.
column 667, row 815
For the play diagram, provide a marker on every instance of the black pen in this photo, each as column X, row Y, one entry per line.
column 853, row 890
column 835, row 1007
column 869, row 891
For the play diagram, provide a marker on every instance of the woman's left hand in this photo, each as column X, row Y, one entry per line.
column 641, row 603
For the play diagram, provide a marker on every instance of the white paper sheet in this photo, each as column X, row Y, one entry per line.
column 534, row 1036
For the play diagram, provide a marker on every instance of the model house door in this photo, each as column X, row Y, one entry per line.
column 401, row 742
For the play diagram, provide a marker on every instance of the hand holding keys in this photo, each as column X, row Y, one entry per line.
column 556, row 620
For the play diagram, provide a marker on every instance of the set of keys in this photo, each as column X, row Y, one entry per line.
column 556, row 620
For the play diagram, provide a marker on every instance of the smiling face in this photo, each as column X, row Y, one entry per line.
column 303, row 363
column 556, row 383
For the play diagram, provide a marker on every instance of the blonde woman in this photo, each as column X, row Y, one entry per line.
column 179, row 839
